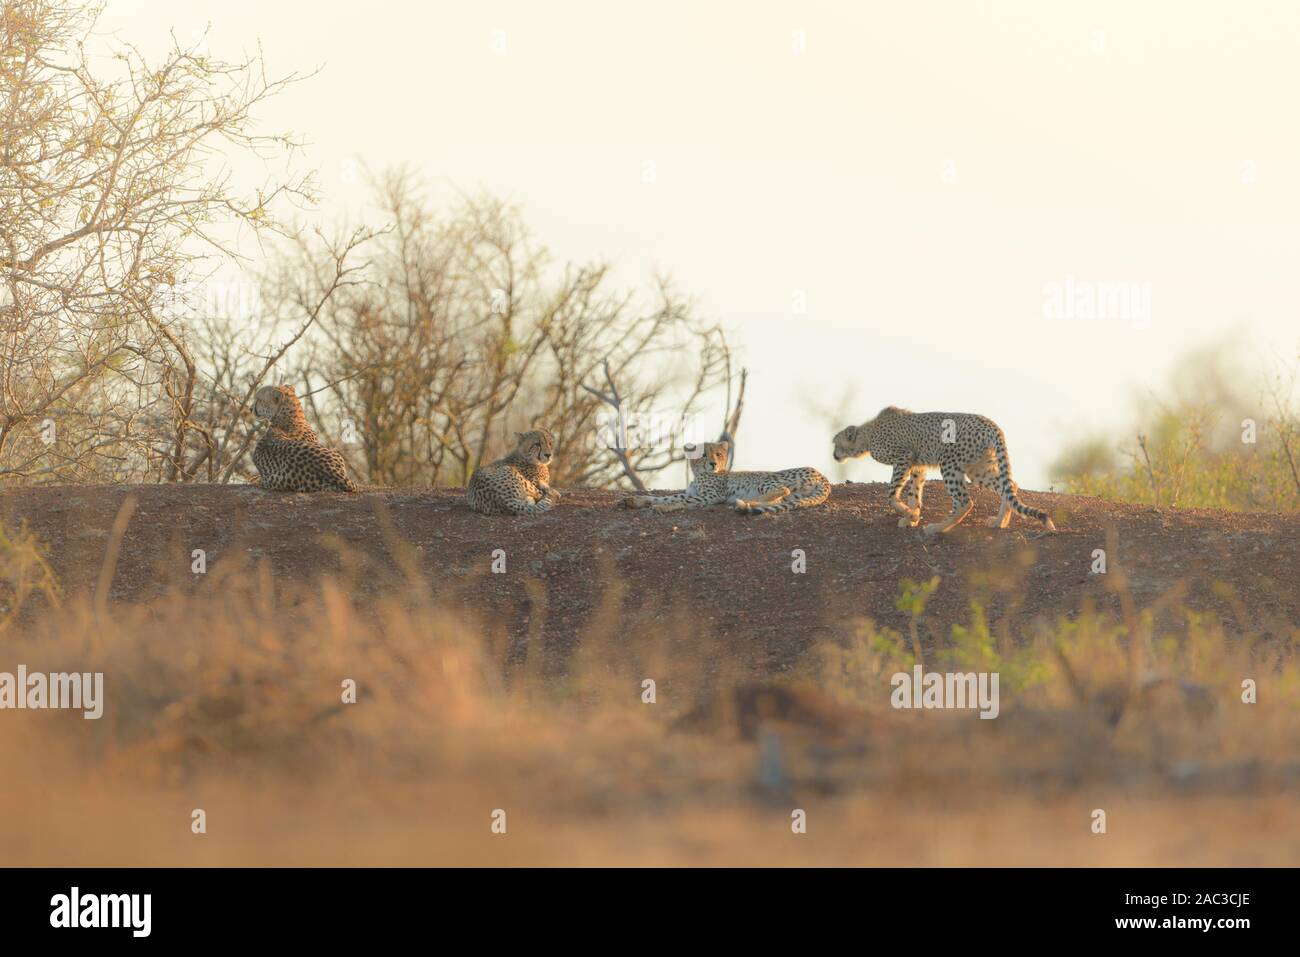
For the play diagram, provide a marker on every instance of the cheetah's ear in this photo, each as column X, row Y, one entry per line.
column 519, row 437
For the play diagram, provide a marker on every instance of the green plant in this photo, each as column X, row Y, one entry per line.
column 24, row 573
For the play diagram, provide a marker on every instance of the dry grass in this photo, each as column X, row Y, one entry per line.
column 230, row 701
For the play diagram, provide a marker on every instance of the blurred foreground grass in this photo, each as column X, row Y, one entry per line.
column 232, row 701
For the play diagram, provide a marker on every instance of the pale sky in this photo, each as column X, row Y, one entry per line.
column 916, row 174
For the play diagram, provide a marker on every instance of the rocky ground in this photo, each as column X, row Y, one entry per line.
column 732, row 576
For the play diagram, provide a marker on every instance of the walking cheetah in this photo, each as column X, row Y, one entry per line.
column 520, row 483
column 959, row 444
column 289, row 457
column 752, row 493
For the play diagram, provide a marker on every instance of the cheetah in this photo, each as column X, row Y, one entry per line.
column 289, row 457
column 520, row 483
column 751, row 493
column 959, row 444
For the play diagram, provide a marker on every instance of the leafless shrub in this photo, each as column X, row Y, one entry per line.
column 466, row 333
column 112, row 196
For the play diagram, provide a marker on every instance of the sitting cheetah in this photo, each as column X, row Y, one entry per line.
column 958, row 444
column 289, row 457
column 518, row 484
column 752, row 493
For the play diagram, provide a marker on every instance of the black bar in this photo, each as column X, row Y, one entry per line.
column 333, row 906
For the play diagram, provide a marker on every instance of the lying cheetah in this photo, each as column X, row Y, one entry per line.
column 289, row 457
column 752, row 493
column 960, row 445
column 520, row 483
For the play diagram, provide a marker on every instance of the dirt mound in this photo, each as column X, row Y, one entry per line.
column 733, row 576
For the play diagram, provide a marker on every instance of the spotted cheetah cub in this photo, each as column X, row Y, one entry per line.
column 289, row 457
column 520, row 483
column 959, row 444
column 751, row 493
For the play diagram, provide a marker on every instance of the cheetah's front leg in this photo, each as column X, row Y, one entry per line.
column 914, row 489
column 661, row 507
column 899, row 482
column 767, row 498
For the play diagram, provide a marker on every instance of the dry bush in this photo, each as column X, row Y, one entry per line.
column 1212, row 441
column 25, row 574
column 113, row 196
column 118, row 209
column 467, row 332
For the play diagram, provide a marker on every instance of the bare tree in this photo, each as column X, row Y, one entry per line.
column 112, row 196
column 467, row 332
column 304, row 287
column 731, row 426
column 618, row 441
column 619, row 445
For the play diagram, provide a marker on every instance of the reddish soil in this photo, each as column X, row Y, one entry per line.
column 730, row 574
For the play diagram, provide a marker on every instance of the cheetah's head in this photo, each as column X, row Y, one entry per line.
column 271, row 399
column 536, row 446
column 851, row 442
column 712, row 457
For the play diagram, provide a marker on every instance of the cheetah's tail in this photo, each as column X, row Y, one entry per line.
column 815, row 491
column 1013, row 491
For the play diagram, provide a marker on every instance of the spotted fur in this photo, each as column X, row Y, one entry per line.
column 959, row 444
column 289, row 457
column 520, row 483
column 750, row 493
